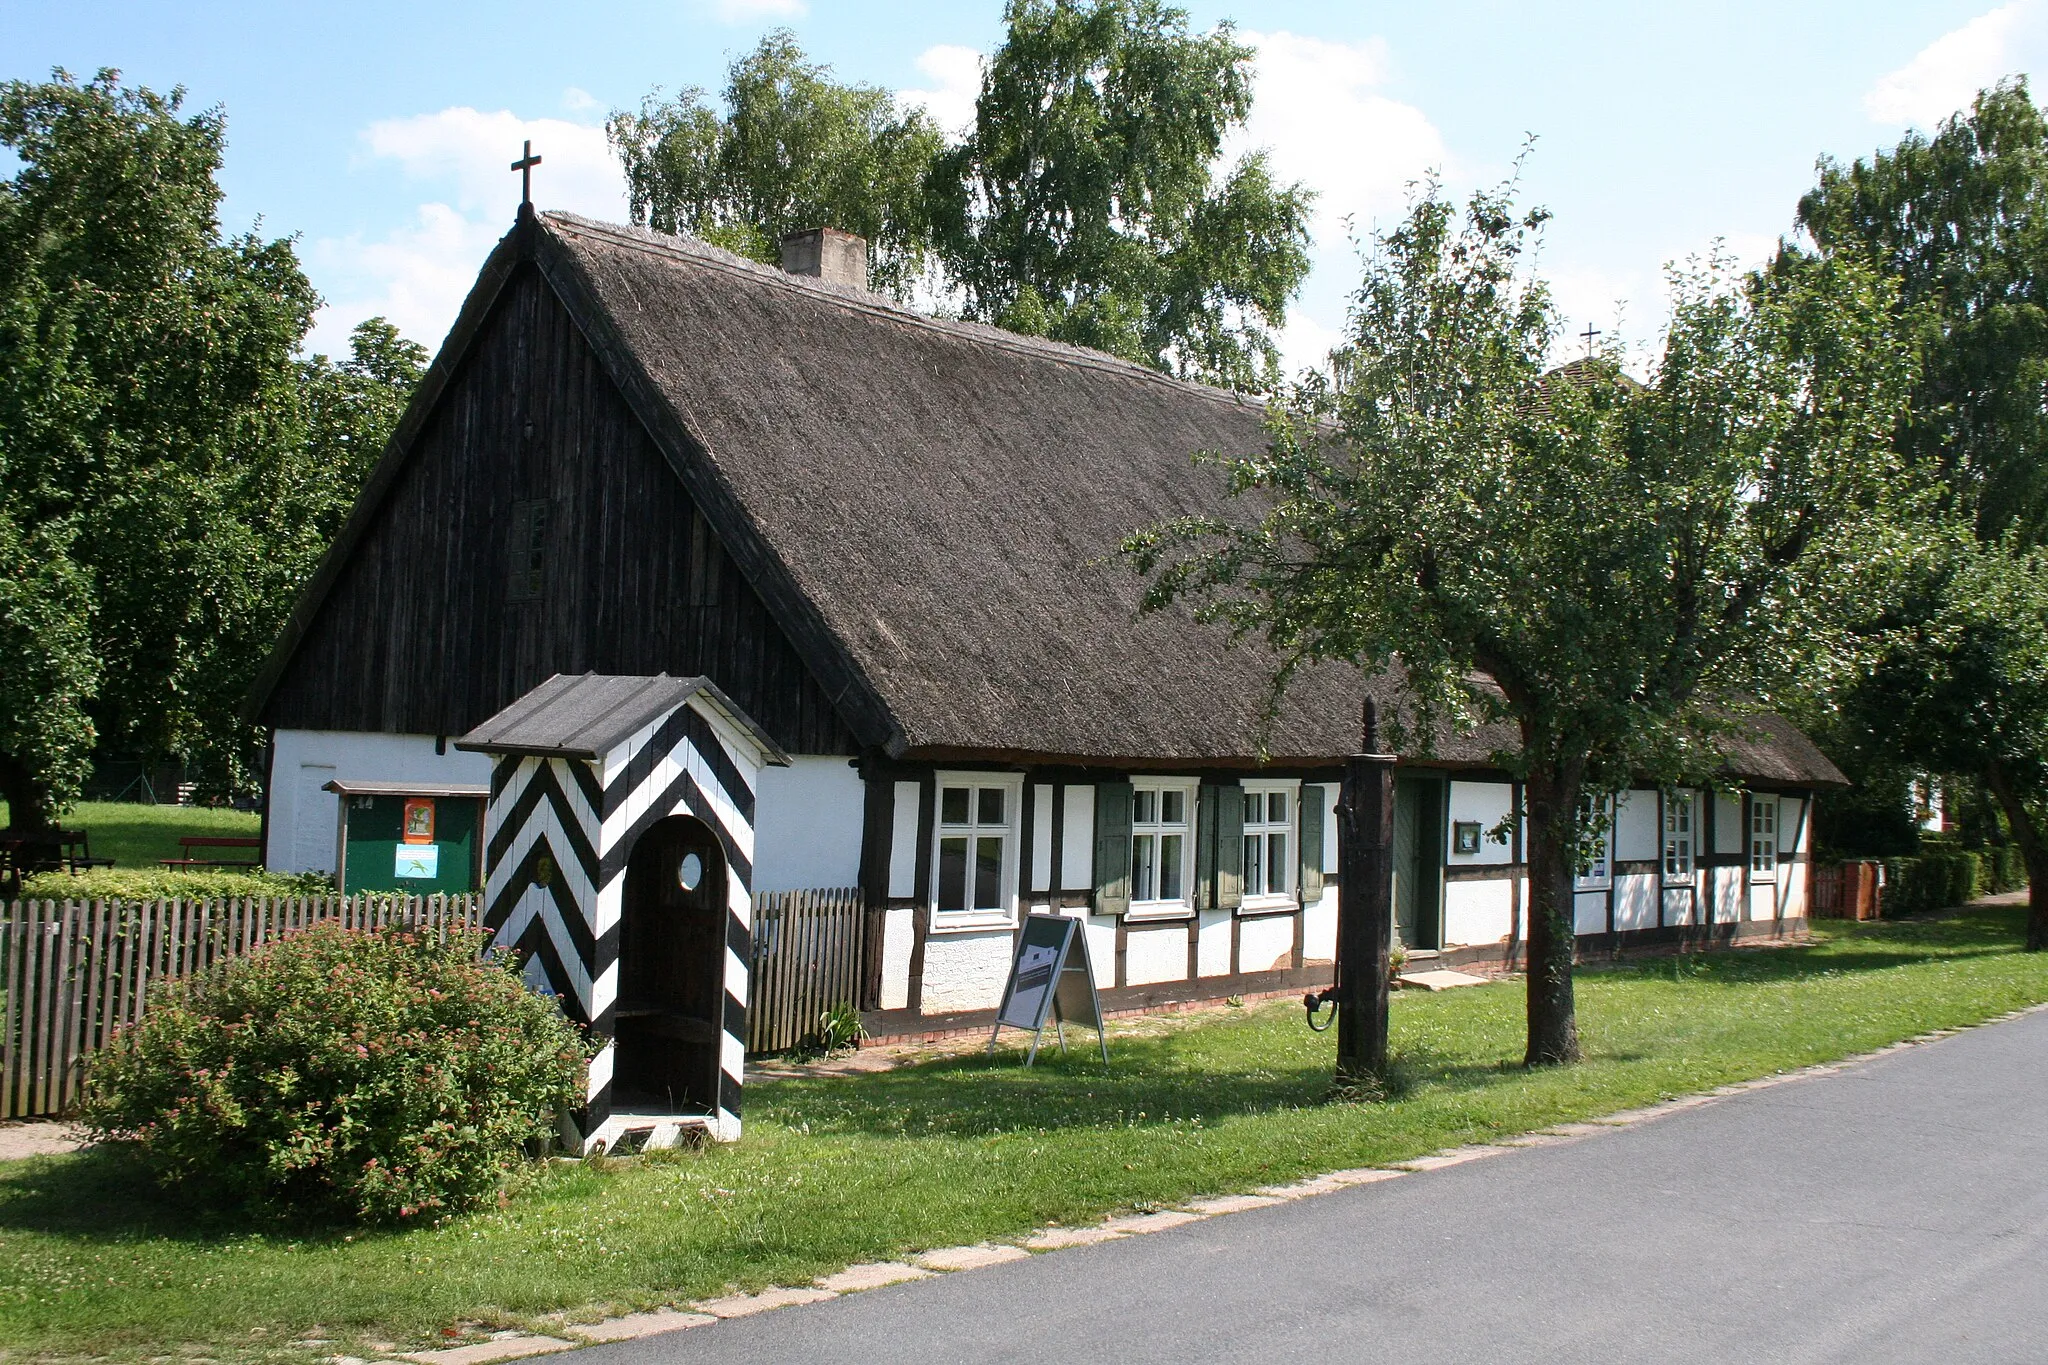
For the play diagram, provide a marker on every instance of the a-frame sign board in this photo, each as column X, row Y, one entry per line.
column 1050, row 978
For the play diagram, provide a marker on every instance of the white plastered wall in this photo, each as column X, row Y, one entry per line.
column 966, row 970
column 1478, row 912
column 1155, row 954
column 807, row 825
column 304, row 818
column 1266, row 943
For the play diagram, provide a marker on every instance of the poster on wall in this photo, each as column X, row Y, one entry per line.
column 419, row 820
column 417, row 863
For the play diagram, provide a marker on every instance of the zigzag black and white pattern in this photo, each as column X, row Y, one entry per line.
column 580, row 819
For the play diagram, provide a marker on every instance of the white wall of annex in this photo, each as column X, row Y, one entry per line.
column 899, row 930
column 1635, row 901
column 1489, row 804
column 1478, row 912
column 1635, row 828
column 1265, row 943
column 1681, row 904
column 1729, row 835
column 807, row 824
column 1156, row 954
column 1319, row 929
column 1727, row 883
column 1077, row 840
column 303, row 818
column 1589, row 912
column 966, row 971
column 1212, row 944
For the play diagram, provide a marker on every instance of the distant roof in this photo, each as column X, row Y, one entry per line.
column 587, row 715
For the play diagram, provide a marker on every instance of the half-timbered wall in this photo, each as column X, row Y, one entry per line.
column 926, row 969
column 440, row 619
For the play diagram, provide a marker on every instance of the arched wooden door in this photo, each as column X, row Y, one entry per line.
column 671, row 967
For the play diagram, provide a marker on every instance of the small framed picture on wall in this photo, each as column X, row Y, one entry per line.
column 1465, row 836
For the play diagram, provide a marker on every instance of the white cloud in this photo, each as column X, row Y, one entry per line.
column 418, row 273
column 955, row 74
column 751, row 11
column 1947, row 74
column 577, row 100
column 1306, row 342
column 1316, row 111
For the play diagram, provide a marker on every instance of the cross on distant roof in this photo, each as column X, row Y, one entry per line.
column 524, row 165
column 1590, row 332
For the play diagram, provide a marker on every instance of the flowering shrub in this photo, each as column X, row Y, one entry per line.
column 390, row 1077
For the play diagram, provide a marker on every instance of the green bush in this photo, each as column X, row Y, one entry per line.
column 2004, row 869
column 163, row 883
column 1933, row 881
column 389, row 1077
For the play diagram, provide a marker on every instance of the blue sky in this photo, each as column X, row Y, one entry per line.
column 379, row 132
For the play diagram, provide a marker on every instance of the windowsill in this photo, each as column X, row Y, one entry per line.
column 1593, row 884
column 963, row 922
column 1252, row 907
column 1149, row 912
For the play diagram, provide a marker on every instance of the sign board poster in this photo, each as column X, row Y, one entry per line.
column 419, row 861
column 419, row 820
column 1050, row 978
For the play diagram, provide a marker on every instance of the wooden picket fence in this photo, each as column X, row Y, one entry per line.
column 1845, row 890
column 806, row 960
column 75, row 971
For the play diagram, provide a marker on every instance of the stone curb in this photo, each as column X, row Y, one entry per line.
column 875, row 1275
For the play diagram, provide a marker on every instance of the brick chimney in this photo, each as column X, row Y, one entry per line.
column 827, row 254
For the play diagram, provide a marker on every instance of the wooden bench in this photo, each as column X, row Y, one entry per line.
column 191, row 843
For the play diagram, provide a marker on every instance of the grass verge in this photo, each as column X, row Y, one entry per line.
column 839, row 1170
column 139, row 837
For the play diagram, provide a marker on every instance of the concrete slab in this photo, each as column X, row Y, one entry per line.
column 1440, row 979
column 635, row 1325
column 1457, row 1156
column 746, row 1305
column 1234, row 1203
column 509, row 1347
column 872, row 1275
column 970, row 1258
column 1053, row 1239
column 1141, row 1223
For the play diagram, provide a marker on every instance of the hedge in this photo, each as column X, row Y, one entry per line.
column 1939, row 879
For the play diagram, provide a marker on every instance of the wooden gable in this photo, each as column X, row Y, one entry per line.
column 535, row 528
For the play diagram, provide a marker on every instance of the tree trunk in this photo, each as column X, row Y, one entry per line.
column 26, row 797
column 2024, row 833
column 1552, row 798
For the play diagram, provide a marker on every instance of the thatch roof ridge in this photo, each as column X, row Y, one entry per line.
column 701, row 252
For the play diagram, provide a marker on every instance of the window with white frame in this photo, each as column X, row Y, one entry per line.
column 1270, row 821
column 1595, row 857
column 975, row 864
column 1763, row 836
column 1162, row 844
column 1678, row 835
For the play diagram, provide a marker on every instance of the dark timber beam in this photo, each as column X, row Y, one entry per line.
column 1365, row 908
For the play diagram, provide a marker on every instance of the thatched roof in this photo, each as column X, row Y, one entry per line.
column 942, row 503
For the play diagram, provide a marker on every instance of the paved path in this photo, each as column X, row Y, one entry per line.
column 1895, row 1211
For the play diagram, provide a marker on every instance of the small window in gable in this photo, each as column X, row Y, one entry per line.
column 528, row 550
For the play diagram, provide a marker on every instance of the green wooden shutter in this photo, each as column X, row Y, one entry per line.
column 1112, row 848
column 1229, row 847
column 1205, row 847
column 1311, row 844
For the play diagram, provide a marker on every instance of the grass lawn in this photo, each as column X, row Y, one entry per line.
column 839, row 1170
column 137, row 836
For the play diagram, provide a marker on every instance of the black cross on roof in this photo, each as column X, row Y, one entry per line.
column 1590, row 332
column 524, row 165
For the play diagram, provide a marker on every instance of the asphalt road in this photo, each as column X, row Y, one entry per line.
column 1897, row 1210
